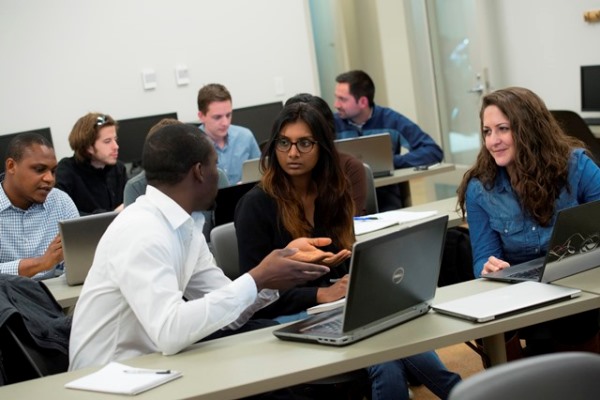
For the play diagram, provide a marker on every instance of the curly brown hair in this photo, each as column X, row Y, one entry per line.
column 542, row 152
column 333, row 190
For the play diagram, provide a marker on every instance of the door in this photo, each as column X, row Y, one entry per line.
column 458, row 32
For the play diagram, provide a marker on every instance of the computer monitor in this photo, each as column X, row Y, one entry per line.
column 5, row 140
column 259, row 119
column 132, row 134
column 590, row 88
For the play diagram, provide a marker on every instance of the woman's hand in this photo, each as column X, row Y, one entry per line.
column 494, row 264
column 333, row 292
column 308, row 251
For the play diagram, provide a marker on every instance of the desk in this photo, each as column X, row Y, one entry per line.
column 406, row 174
column 256, row 362
column 64, row 294
column 587, row 280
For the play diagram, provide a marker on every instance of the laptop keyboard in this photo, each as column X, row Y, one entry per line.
column 329, row 326
column 532, row 274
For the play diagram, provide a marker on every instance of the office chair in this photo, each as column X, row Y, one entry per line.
column 575, row 126
column 371, row 206
column 225, row 249
column 570, row 375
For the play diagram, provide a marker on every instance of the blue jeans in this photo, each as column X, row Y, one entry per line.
column 389, row 380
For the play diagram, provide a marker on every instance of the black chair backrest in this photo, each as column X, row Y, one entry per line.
column 575, row 126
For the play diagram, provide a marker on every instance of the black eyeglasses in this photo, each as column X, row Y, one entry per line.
column 303, row 145
column 101, row 120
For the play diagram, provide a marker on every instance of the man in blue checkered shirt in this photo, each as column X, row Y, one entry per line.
column 30, row 208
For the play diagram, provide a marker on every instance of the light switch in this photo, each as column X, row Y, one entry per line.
column 182, row 75
column 149, row 79
column 278, row 83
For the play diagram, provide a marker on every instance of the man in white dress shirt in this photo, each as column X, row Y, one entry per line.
column 154, row 255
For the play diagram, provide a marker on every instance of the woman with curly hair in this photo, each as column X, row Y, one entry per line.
column 304, row 193
column 526, row 172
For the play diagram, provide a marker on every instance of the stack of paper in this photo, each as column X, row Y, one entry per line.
column 326, row 306
column 375, row 222
column 122, row 379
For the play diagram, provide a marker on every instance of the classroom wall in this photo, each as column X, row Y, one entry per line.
column 544, row 44
column 63, row 58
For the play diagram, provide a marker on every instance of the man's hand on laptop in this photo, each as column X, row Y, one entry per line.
column 494, row 264
column 308, row 251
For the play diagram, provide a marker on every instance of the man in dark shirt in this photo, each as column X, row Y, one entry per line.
column 93, row 177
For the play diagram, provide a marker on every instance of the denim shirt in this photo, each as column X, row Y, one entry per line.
column 498, row 225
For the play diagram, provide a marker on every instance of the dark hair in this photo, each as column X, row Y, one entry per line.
column 211, row 93
column 171, row 151
column 318, row 103
column 333, row 190
column 542, row 152
column 18, row 144
column 85, row 132
column 360, row 84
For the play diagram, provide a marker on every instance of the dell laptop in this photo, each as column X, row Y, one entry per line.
column 80, row 236
column 574, row 247
column 392, row 280
column 374, row 150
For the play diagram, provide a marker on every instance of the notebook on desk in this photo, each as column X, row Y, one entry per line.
column 80, row 236
column 392, row 280
column 573, row 248
column 505, row 301
column 374, row 150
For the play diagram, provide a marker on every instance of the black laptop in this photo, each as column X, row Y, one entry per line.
column 393, row 279
column 573, row 248
column 226, row 201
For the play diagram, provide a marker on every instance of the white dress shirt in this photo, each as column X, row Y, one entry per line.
column 151, row 256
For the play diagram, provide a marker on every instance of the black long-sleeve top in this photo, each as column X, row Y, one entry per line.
column 93, row 190
column 259, row 231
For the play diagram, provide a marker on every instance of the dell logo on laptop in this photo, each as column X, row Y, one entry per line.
column 398, row 275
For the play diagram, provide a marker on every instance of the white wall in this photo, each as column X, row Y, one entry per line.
column 60, row 59
column 544, row 43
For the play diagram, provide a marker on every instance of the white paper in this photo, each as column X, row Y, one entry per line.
column 326, row 306
column 112, row 378
column 375, row 222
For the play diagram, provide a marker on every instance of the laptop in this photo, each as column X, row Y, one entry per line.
column 80, row 236
column 392, row 280
column 374, row 150
column 251, row 170
column 574, row 247
column 226, row 201
column 505, row 301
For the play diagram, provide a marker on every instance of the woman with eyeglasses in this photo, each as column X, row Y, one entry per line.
column 304, row 193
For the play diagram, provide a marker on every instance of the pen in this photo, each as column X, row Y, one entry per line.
column 333, row 280
column 147, row 371
column 365, row 218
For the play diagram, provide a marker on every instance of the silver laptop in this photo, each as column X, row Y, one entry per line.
column 505, row 301
column 573, row 248
column 374, row 150
column 251, row 170
column 392, row 280
column 80, row 236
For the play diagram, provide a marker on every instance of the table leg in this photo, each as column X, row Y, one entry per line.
column 495, row 348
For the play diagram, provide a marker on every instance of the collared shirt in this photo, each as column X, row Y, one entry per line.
column 239, row 147
column 498, row 226
column 132, row 299
column 422, row 149
column 27, row 233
